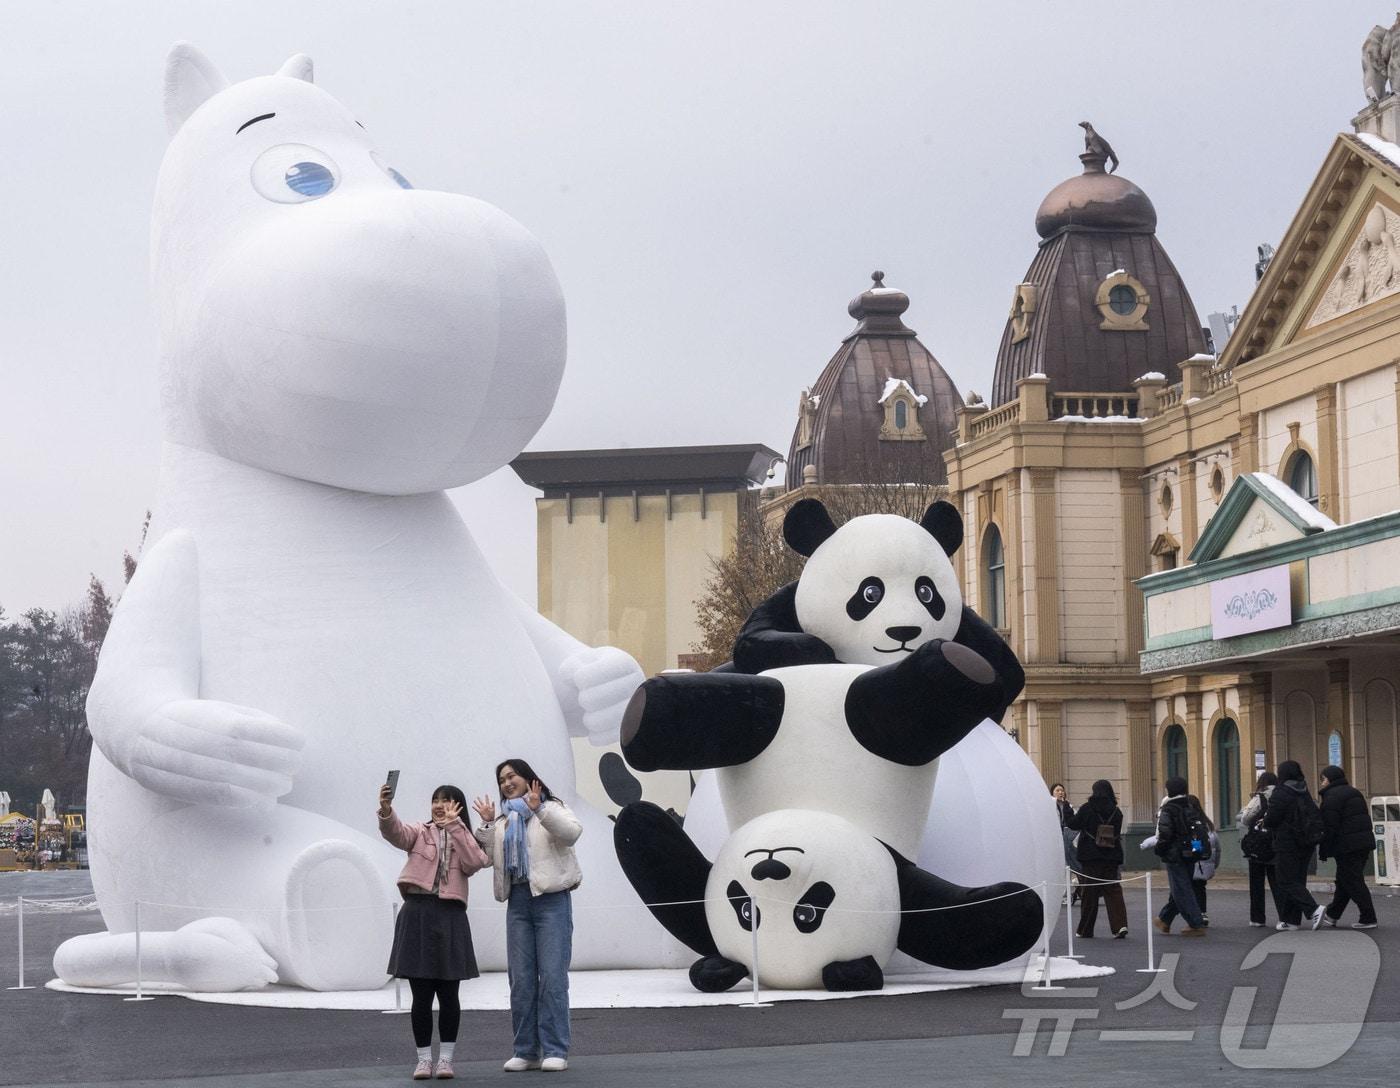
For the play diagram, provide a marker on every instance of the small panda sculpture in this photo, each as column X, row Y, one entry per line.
column 807, row 721
column 822, row 894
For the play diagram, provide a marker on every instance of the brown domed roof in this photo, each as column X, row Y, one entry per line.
column 1095, row 201
column 844, row 432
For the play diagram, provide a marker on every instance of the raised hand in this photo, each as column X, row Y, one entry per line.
column 485, row 808
column 214, row 753
column 532, row 798
column 602, row 680
column 451, row 810
column 386, row 804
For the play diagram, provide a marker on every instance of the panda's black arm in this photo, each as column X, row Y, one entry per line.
column 771, row 637
column 913, row 712
column 689, row 723
column 977, row 634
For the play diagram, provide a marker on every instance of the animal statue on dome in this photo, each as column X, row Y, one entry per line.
column 1097, row 145
column 310, row 611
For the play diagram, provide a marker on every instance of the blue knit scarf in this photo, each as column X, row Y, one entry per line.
column 517, row 812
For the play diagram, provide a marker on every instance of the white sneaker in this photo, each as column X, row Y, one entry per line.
column 1284, row 925
column 1361, row 925
column 554, row 1065
column 1329, row 921
column 1257, row 925
column 1318, row 915
column 519, row 1065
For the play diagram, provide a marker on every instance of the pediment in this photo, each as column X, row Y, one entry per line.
column 1340, row 254
column 1258, row 511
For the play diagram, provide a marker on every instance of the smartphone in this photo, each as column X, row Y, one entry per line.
column 393, row 783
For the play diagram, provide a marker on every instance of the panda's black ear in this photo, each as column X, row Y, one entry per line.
column 807, row 524
column 945, row 523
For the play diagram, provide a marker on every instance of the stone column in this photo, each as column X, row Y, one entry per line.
column 1249, row 442
column 1142, row 805
column 1328, row 492
column 1195, row 742
column 1338, row 712
column 1015, row 582
column 1050, row 717
column 1134, row 559
column 1193, row 377
column 1047, row 585
column 1186, row 485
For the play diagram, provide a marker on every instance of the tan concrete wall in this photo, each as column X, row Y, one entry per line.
column 1090, row 566
column 692, row 543
column 1274, row 434
column 1205, row 465
column 1095, row 747
column 574, row 573
column 1370, row 460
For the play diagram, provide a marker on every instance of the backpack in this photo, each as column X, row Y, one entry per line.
column 1308, row 818
column 1193, row 841
column 1105, row 838
column 1256, row 843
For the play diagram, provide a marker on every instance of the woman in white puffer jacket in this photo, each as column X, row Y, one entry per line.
column 531, row 847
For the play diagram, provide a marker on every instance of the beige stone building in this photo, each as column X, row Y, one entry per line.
column 1198, row 559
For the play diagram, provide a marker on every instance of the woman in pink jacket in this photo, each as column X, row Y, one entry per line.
column 432, row 940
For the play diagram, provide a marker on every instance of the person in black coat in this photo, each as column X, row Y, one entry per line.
column 1100, row 867
column 1260, row 871
column 1349, row 839
column 1288, row 806
column 1175, row 813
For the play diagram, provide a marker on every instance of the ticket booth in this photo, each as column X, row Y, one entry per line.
column 1385, row 821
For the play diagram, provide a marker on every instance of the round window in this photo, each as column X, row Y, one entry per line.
column 1217, row 483
column 1122, row 299
column 1166, row 499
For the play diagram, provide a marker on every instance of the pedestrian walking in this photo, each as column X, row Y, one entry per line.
column 1099, row 822
column 1296, row 823
column 1257, row 845
column 1348, row 838
column 1182, row 839
column 432, row 940
column 1205, row 868
column 532, row 849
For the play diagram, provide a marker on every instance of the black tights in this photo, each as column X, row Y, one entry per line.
column 449, row 1010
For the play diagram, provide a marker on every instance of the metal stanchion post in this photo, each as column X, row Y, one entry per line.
column 21, row 985
column 398, row 982
column 140, row 996
column 753, row 1002
column 1069, row 914
column 1149, row 969
column 1045, row 983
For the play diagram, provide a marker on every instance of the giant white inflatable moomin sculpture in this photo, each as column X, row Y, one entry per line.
column 310, row 610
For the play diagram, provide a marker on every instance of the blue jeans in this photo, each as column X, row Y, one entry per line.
column 1183, row 899
column 539, row 945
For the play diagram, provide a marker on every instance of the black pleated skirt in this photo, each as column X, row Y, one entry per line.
column 432, row 939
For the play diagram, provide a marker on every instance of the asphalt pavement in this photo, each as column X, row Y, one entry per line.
column 1317, row 1004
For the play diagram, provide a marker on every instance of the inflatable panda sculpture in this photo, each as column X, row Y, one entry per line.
column 310, row 610
column 800, row 745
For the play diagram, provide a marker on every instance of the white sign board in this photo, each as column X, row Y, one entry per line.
column 1257, row 601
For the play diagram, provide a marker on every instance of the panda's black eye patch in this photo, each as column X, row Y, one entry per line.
column 745, row 909
column 863, row 601
column 811, row 908
column 929, row 597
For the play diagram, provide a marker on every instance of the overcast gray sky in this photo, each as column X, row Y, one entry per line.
column 714, row 181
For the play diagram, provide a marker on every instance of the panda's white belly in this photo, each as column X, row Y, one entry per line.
column 815, row 763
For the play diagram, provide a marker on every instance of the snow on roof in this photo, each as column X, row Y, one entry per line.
column 886, row 291
column 1117, row 272
column 1384, row 148
column 1201, row 357
column 1153, row 376
column 1306, row 512
column 1097, row 419
column 894, row 385
column 1039, row 376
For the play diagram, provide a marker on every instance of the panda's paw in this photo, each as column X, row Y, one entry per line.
column 715, row 974
column 861, row 974
column 952, row 661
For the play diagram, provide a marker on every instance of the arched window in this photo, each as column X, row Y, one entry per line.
column 995, row 569
column 901, row 415
column 1173, row 752
column 1302, row 476
column 1227, row 771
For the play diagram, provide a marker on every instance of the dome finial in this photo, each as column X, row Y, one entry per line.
column 877, row 278
column 878, row 307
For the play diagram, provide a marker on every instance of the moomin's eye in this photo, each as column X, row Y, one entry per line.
column 294, row 174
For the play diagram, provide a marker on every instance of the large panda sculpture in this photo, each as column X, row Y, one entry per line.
column 855, row 740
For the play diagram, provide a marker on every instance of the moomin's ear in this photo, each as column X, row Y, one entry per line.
column 945, row 523
column 807, row 524
column 190, row 80
column 298, row 66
